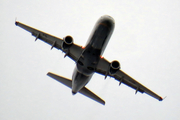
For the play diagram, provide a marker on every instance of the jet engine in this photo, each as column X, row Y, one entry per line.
column 67, row 42
column 114, row 67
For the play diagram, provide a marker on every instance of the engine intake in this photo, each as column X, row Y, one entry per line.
column 67, row 42
column 114, row 67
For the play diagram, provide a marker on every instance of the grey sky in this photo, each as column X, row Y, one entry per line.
column 145, row 41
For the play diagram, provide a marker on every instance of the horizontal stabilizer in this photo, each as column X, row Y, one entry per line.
column 63, row 80
column 67, row 82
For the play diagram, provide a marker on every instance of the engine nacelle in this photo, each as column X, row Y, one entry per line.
column 67, row 42
column 114, row 67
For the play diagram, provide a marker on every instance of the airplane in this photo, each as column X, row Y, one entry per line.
column 89, row 59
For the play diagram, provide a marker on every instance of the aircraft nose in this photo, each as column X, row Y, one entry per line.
column 107, row 21
column 108, row 18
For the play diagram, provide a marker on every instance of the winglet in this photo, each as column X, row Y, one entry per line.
column 16, row 22
column 162, row 98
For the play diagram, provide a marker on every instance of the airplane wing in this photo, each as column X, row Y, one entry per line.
column 122, row 77
column 84, row 90
column 73, row 52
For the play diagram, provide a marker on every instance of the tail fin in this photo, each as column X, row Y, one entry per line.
column 67, row 82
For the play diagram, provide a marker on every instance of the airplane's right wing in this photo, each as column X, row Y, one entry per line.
column 122, row 77
column 84, row 90
column 74, row 51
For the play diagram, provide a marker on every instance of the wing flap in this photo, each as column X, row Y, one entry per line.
column 67, row 82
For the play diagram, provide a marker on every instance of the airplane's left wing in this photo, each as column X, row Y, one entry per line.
column 122, row 77
column 73, row 52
